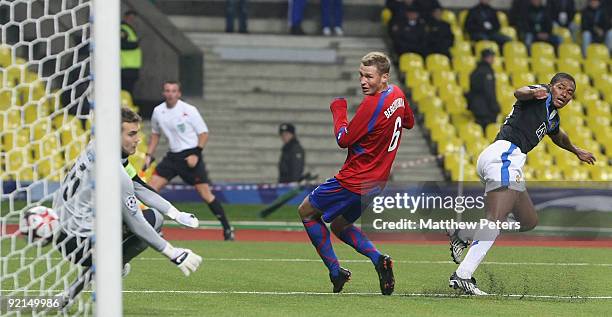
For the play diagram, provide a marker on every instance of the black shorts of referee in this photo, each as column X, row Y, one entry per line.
column 175, row 164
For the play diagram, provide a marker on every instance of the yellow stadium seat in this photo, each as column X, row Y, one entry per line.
column 15, row 159
column 597, row 108
column 457, row 33
column 5, row 99
column 455, row 104
column 594, row 67
column 462, row 118
column 517, row 64
column 502, row 79
column 603, row 82
column 434, row 118
column 464, row 81
column 409, row 61
column 513, row 49
column 548, row 174
column 464, row 63
column 509, row 32
column 460, row 48
column 450, row 145
column 449, row 17
column 564, row 34
column 443, row 78
column 597, row 51
column 126, row 99
column 438, row 134
column 570, row 51
column 46, row 147
column 587, row 95
column 50, row 166
column 521, row 79
column 491, row 131
column 542, row 49
column 542, row 65
column 431, row 104
column 598, row 122
column 498, row 64
column 417, row 77
column 5, row 57
column 503, row 18
column 544, row 78
column 422, row 91
column 573, row 108
column 475, row 146
column 481, row 45
column 449, row 91
column 385, row 16
column 470, row 130
column 575, row 173
column 41, row 128
column 582, row 80
column 462, row 16
column 569, row 65
column 601, row 174
column 437, row 62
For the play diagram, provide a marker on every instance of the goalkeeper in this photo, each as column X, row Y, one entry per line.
column 141, row 228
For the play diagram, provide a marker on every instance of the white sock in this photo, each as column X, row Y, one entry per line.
column 484, row 238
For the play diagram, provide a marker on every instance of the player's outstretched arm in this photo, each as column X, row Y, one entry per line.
column 347, row 133
column 562, row 140
column 151, row 198
column 531, row 92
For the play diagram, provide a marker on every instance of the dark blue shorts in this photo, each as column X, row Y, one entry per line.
column 334, row 200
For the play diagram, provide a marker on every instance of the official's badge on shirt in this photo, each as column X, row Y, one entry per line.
column 181, row 127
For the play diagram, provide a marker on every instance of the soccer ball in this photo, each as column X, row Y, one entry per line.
column 38, row 224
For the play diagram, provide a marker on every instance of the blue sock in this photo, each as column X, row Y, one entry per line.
column 319, row 236
column 354, row 237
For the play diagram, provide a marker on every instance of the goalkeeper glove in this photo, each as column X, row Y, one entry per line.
column 184, row 218
column 185, row 259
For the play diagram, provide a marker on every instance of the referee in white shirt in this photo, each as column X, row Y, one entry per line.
column 187, row 135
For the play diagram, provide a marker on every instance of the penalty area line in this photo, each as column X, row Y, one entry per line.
column 289, row 293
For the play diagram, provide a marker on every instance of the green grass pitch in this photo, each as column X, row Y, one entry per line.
column 280, row 279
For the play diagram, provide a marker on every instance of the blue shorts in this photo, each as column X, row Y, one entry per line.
column 334, row 200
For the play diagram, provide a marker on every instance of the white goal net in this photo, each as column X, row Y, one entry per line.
column 46, row 90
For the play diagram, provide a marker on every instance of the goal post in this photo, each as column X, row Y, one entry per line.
column 107, row 87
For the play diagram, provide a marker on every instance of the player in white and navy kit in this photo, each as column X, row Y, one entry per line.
column 187, row 135
column 534, row 115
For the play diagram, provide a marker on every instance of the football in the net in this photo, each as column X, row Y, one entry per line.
column 39, row 223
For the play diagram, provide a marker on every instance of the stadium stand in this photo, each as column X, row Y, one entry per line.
column 586, row 119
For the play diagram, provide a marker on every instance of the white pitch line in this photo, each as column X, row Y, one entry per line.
column 298, row 260
column 290, row 293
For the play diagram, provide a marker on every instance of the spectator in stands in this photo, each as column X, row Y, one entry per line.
column 231, row 6
column 595, row 25
column 427, row 7
column 517, row 13
column 131, row 55
column 439, row 35
column 482, row 24
column 408, row 34
column 331, row 8
column 398, row 9
column 291, row 164
column 482, row 100
column 296, row 15
column 562, row 13
column 538, row 25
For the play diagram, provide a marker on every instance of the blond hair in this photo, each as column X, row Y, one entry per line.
column 378, row 59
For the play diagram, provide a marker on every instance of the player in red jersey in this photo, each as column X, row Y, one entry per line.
column 372, row 138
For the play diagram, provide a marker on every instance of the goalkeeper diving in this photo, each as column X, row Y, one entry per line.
column 141, row 228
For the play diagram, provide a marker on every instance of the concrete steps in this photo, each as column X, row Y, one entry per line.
column 245, row 101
